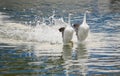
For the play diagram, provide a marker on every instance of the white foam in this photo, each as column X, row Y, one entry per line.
column 40, row 33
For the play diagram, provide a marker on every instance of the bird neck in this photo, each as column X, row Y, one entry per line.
column 69, row 18
column 84, row 20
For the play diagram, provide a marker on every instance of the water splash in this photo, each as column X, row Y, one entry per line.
column 42, row 32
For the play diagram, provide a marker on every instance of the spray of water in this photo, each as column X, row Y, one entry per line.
column 42, row 32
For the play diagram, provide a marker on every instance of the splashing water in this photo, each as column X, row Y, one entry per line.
column 40, row 33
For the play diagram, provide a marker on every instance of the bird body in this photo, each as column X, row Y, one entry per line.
column 68, row 34
column 83, row 29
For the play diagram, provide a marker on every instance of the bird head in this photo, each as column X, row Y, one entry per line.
column 88, row 11
column 61, row 29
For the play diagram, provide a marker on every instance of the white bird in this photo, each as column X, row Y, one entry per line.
column 67, row 33
column 83, row 29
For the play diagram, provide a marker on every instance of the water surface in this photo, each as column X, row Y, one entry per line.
column 31, row 48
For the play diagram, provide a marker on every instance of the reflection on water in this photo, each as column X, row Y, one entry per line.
column 93, row 58
column 26, row 60
column 75, row 60
column 38, row 51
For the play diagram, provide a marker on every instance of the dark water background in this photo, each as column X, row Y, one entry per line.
column 32, row 10
column 100, row 56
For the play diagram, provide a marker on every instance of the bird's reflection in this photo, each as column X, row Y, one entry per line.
column 75, row 59
column 79, row 52
column 67, row 52
column 74, row 54
column 82, row 51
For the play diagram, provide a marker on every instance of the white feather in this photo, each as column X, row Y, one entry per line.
column 68, row 33
column 83, row 29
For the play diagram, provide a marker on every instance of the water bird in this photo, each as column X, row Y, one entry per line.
column 67, row 33
column 83, row 29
